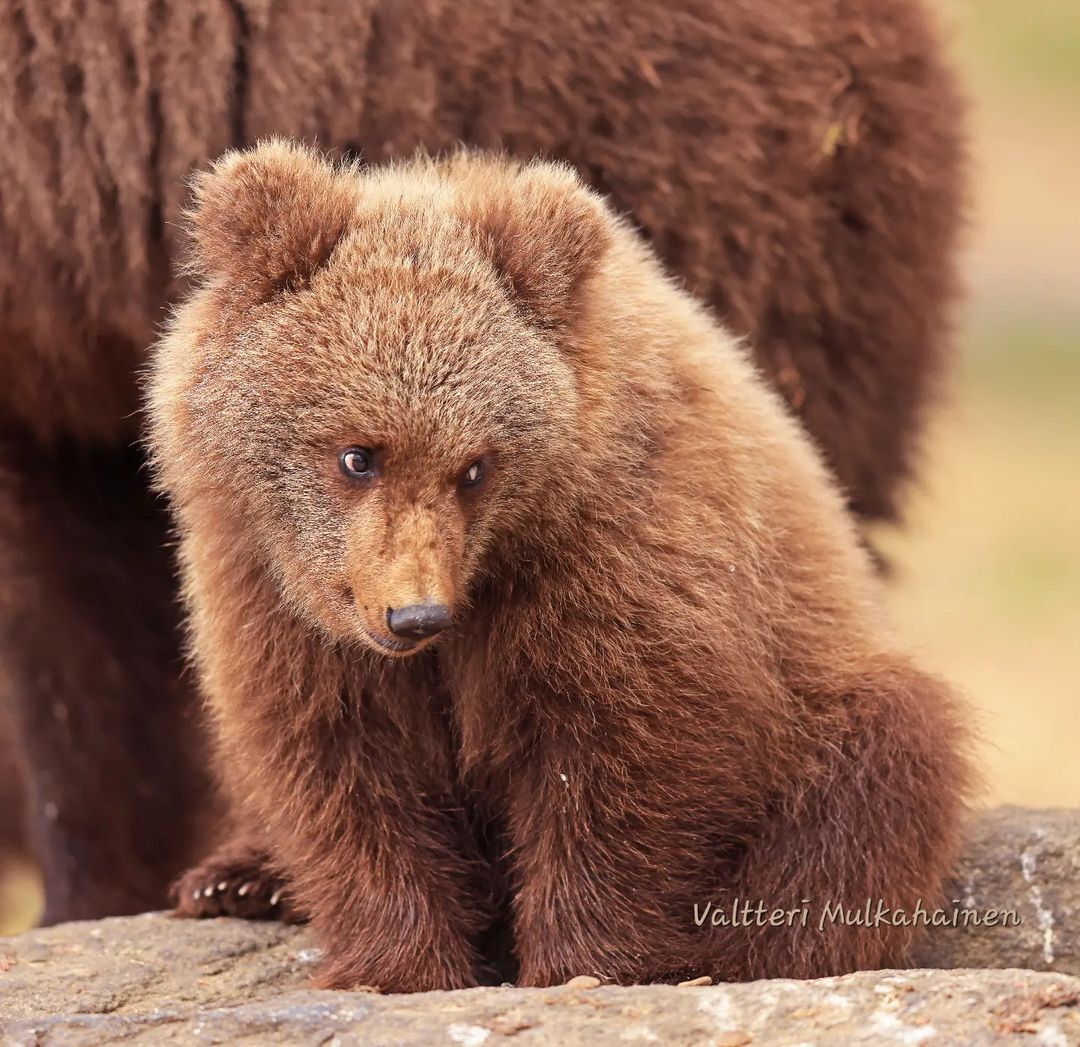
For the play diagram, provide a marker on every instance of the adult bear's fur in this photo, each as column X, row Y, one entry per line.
column 796, row 162
column 667, row 681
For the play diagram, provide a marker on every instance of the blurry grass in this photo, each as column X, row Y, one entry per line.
column 988, row 584
column 21, row 895
column 1033, row 360
column 1033, row 45
column 988, row 567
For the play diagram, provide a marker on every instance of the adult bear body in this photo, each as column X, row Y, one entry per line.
column 797, row 162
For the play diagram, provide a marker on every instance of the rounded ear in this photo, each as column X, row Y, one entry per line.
column 544, row 230
column 267, row 218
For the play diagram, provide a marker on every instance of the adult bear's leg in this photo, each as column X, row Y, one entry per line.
column 89, row 649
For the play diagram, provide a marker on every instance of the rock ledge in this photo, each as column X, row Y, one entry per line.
column 153, row 979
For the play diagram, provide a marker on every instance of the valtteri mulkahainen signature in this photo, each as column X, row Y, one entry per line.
column 874, row 913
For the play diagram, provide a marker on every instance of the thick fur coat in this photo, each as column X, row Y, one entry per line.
column 797, row 163
column 468, row 385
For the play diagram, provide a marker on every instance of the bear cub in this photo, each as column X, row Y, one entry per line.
column 528, row 621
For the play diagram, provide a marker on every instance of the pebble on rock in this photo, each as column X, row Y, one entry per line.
column 583, row 981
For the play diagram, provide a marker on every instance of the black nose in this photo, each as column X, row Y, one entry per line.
column 419, row 620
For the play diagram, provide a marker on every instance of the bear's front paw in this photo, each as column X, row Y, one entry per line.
column 236, row 882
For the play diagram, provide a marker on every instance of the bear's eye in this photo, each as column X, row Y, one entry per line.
column 358, row 463
column 473, row 475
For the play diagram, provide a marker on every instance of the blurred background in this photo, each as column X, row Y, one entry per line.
column 987, row 569
column 986, row 572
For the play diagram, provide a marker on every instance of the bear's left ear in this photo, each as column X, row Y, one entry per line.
column 546, row 232
column 267, row 218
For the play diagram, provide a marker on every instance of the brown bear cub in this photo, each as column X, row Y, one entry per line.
column 528, row 618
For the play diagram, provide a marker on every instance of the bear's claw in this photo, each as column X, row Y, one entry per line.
column 239, row 883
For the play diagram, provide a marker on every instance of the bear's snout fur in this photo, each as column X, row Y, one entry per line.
column 403, row 558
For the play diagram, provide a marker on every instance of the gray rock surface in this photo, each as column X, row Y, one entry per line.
column 154, row 979
column 1027, row 861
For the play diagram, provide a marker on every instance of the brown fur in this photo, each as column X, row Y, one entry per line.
column 795, row 162
column 91, row 660
column 668, row 681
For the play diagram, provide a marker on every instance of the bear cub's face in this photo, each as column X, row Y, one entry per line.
column 376, row 374
column 413, row 432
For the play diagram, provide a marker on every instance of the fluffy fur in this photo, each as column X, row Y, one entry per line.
column 667, row 681
column 797, row 163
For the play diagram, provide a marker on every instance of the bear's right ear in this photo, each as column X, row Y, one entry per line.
column 267, row 218
column 544, row 230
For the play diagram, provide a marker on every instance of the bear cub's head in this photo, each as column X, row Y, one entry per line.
column 375, row 380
